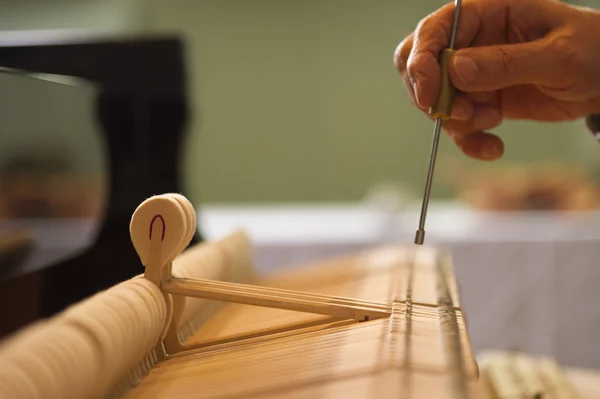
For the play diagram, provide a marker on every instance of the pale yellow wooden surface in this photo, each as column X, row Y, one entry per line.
column 249, row 351
column 587, row 382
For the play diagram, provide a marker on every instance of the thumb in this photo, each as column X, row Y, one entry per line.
column 497, row 67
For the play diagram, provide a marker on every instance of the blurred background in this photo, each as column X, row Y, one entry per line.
column 300, row 131
column 295, row 102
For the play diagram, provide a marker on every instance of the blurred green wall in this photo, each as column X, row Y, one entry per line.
column 296, row 100
column 300, row 101
column 106, row 15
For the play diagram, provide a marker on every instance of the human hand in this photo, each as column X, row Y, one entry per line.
column 516, row 59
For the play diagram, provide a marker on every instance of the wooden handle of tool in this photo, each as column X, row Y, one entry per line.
column 442, row 108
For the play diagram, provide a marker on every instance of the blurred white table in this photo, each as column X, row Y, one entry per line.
column 529, row 281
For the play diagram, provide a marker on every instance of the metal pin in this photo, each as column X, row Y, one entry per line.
column 420, row 234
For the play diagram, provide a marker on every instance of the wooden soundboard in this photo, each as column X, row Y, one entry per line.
column 386, row 323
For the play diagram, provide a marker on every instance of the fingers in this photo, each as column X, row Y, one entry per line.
column 402, row 52
column 470, row 135
column 462, row 108
column 431, row 36
column 400, row 62
column 481, row 145
column 488, row 66
column 471, row 113
column 497, row 67
column 483, row 117
column 416, row 59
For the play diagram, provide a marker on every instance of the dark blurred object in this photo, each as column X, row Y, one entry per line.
column 15, row 245
column 593, row 124
column 556, row 187
column 142, row 110
column 20, row 297
column 45, row 185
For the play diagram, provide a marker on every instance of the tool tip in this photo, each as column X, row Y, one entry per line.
column 420, row 237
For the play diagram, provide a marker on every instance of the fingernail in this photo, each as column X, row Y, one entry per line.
column 416, row 89
column 491, row 151
column 487, row 119
column 457, row 137
column 459, row 112
column 465, row 68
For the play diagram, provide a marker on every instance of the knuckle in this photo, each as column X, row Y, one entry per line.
column 436, row 24
column 503, row 61
column 400, row 66
column 570, row 59
column 424, row 23
column 412, row 70
column 562, row 45
column 401, row 54
column 417, row 78
column 418, row 69
column 432, row 26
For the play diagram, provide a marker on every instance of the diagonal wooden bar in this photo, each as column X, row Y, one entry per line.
column 243, row 294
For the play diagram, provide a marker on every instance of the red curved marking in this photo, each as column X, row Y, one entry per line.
column 162, row 238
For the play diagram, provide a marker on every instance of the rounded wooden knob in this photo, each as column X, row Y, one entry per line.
column 158, row 229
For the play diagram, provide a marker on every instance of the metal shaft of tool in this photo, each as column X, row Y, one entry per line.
column 457, row 5
column 420, row 235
